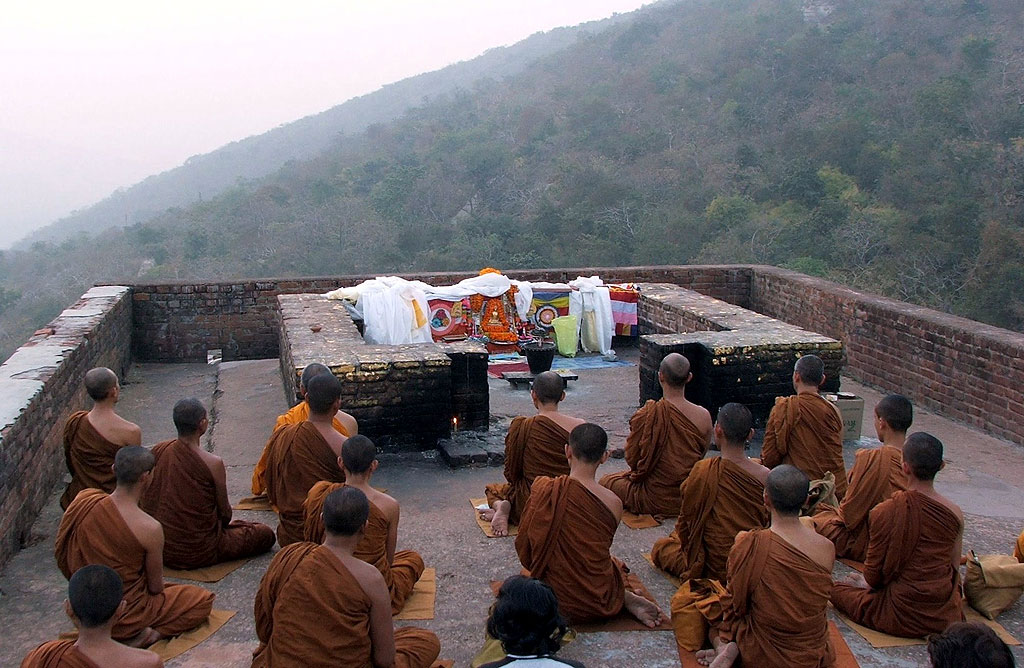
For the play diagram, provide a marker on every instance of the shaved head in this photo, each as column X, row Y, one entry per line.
column 188, row 415
column 897, row 411
column 312, row 371
column 100, row 382
column 923, row 454
column 345, row 511
column 811, row 370
column 787, row 488
column 588, row 442
column 131, row 463
column 321, row 393
column 358, row 453
column 548, row 387
column 674, row 370
column 95, row 593
column 736, row 421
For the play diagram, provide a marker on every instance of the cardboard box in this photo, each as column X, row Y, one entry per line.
column 852, row 409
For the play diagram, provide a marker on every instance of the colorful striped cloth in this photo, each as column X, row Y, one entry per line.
column 624, row 309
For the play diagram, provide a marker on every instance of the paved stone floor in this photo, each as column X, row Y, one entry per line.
column 984, row 475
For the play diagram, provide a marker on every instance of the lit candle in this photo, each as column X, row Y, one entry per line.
column 455, row 424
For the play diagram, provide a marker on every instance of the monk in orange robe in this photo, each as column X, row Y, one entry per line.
column 92, row 438
column 188, row 495
column 666, row 438
column 566, row 533
column 911, row 581
column 111, row 529
column 94, row 600
column 721, row 497
column 774, row 610
column 1018, row 550
column 301, row 455
column 320, row 606
column 344, row 424
column 876, row 474
column 805, row 430
column 400, row 569
column 534, row 446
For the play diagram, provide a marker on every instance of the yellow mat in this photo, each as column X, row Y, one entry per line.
column 260, row 502
column 169, row 648
column 420, row 604
column 214, row 573
column 639, row 521
column 881, row 640
column 668, row 576
column 486, row 526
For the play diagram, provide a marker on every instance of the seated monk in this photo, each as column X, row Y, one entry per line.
column 721, row 497
column 911, row 581
column 111, row 529
column 402, row 569
column 666, row 438
column 805, row 429
column 566, row 533
column 301, row 455
column 779, row 581
column 1018, row 550
column 188, row 495
column 93, row 604
column 320, row 606
column 876, row 474
column 344, row 424
column 534, row 446
column 91, row 438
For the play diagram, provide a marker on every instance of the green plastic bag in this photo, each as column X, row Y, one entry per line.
column 566, row 334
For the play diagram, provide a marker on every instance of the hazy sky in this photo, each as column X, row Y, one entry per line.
column 99, row 94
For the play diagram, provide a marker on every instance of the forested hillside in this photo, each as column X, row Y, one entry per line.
column 882, row 147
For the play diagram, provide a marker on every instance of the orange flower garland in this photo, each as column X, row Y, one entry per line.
column 486, row 307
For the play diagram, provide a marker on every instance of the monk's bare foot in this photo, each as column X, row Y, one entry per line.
column 486, row 515
column 706, row 656
column 723, row 657
column 647, row 612
column 499, row 523
column 144, row 638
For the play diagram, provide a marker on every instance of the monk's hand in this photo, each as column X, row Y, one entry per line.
column 856, row 580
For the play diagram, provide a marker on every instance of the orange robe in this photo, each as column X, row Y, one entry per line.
column 534, row 446
column 1018, row 550
column 311, row 612
column 400, row 575
column 662, row 447
column 804, row 430
column 89, row 456
column 565, row 539
column 776, row 604
column 876, row 475
column 58, row 654
column 915, row 590
column 298, row 457
column 296, row 414
column 720, row 500
column 182, row 496
column 92, row 531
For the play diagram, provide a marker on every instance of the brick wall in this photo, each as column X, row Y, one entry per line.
column 40, row 385
column 959, row 368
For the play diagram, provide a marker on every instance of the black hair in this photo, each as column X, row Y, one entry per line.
column 525, row 618
column 187, row 415
column 345, row 511
column 588, row 442
column 969, row 645
column 95, row 592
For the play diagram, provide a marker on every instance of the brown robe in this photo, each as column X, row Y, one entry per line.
column 58, row 654
column 1018, row 550
column 534, row 446
column 565, row 539
column 914, row 590
column 92, row 531
column 89, row 456
column 720, row 500
column 877, row 473
column 311, row 612
column 806, row 431
column 400, row 575
column 298, row 457
column 662, row 447
column 776, row 604
column 296, row 414
column 182, row 496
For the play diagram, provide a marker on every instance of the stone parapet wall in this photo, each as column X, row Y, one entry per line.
column 40, row 385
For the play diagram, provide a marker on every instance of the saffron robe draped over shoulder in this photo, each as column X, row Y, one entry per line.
column 89, row 456
column 565, row 539
column 877, row 473
column 720, row 500
column 298, row 457
column 806, row 431
column 296, row 414
column 400, row 575
column 915, row 590
column 58, row 654
column 534, row 447
column 92, row 531
column 182, row 496
column 1018, row 551
column 776, row 602
column 662, row 447
column 311, row 612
